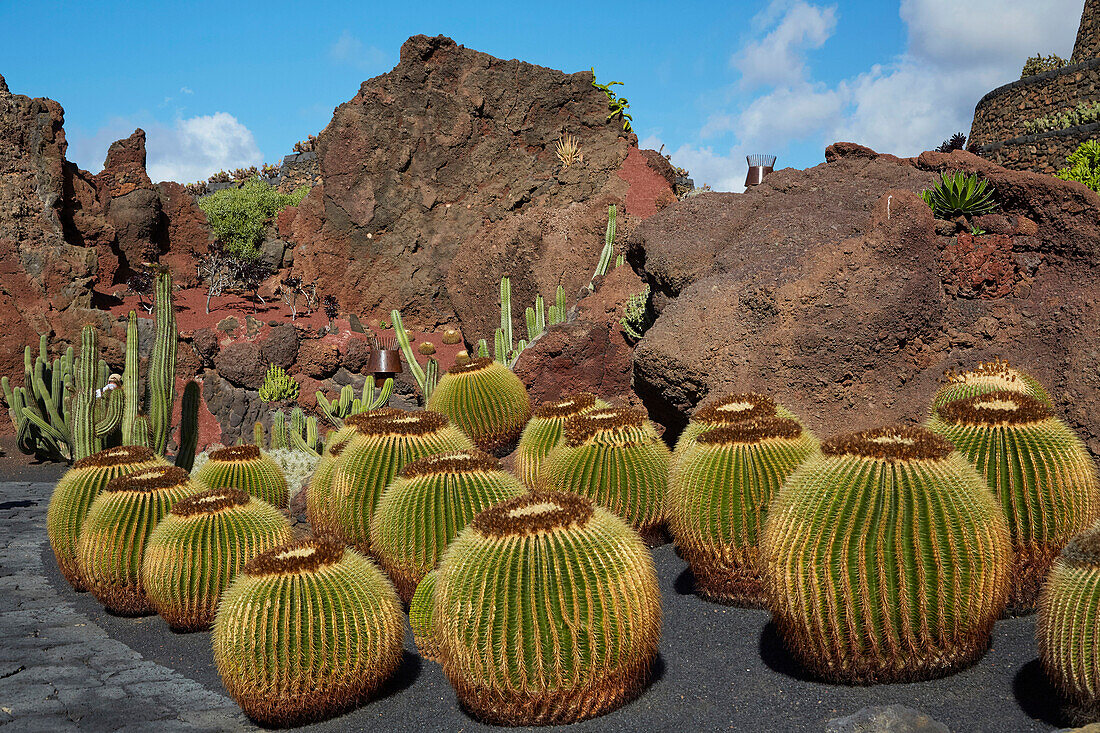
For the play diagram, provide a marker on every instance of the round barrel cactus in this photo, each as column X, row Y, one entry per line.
column 382, row 446
column 1039, row 470
column 307, row 630
column 319, row 493
column 886, row 558
column 614, row 457
column 119, row 523
column 427, row 505
column 486, row 400
column 988, row 377
column 544, row 610
column 75, row 493
column 1068, row 625
column 544, row 431
column 719, row 490
column 195, row 552
column 249, row 469
column 730, row 409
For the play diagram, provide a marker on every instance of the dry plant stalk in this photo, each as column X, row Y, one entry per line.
column 568, row 150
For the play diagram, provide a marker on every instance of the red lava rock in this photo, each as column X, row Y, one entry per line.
column 318, row 358
column 280, row 347
column 647, row 186
column 979, row 267
column 284, row 221
column 206, row 345
column 241, row 364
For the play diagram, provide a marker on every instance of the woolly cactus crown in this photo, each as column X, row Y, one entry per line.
column 246, row 452
column 991, row 409
column 295, row 558
column 148, row 480
column 735, row 408
column 120, row 455
column 455, row 462
column 566, row 407
column 210, row 501
column 536, row 512
column 751, row 432
column 894, row 444
column 608, row 423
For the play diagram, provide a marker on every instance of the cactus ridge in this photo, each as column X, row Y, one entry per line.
column 992, row 376
column 545, row 610
column 75, row 493
column 248, row 468
column 486, row 400
column 421, row 608
column 117, row 528
column 719, row 491
column 730, row 409
column 199, row 547
column 427, row 505
column 544, row 432
column 886, row 560
column 614, row 457
column 380, row 448
column 319, row 495
column 307, row 630
column 1039, row 470
column 1068, row 624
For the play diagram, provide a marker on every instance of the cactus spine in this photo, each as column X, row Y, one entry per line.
column 116, row 529
column 614, row 457
column 307, row 630
column 75, row 493
column 988, row 377
column 544, row 431
column 887, row 559
column 1038, row 469
column 199, row 547
column 719, row 491
column 731, row 409
column 162, row 364
column 427, row 505
column 544, row 610
column 248, row 468
column 1068, row 625
column 486, row 400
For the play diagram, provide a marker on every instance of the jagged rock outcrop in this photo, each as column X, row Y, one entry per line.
column 441, row 176
column 831, row 289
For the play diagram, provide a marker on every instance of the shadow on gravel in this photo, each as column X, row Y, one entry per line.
column 1037, row 696
column 685, row 582
column 778, row 659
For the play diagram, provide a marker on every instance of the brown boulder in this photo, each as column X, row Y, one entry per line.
column 206, row 345
column 281, row 346
column 241, row 364
column 318, row 358
column 186, row 233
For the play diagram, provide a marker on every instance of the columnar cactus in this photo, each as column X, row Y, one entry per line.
column 886, row 558
column 248, row 468
column 427, row 505
column 544, row 610
column 75, row 493
column 730, row 409
column 1068, row 626
column 162, row 364
column 197, row 550
column 119, row 522
column 988, row 377
column 719, row 490
column 1039, row 470
column 486, row 400
column 544, row 432
column 382, row 445
column 307, row 630
column 614, row 457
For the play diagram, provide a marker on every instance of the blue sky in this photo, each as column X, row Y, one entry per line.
column 227, row 84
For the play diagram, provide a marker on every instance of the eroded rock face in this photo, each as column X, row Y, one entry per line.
column 441, row 176
column 830, row 290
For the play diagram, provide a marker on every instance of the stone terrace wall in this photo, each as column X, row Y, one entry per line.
column 1045, row 152
column 1088, row 34
column 299, row 169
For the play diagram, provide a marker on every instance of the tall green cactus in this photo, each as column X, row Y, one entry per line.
column 556, row 313
column 424, row 379
column 87, row 430
column 40, row 410
column 604, row 264
column 162, row 364
column 348, row 404
column 189, row 426
column 131, row 381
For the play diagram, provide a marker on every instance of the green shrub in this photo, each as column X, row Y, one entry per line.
column 1038, row 64
column 961, row 194
column 237, row 215
column 1084, row 165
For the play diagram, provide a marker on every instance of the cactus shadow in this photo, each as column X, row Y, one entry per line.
column 1038, row 697
column 775, row 655
column 685, row 582
column 407, row 673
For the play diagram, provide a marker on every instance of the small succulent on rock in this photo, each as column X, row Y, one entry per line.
column 1038, row 469
column 959, row 195
column 887, row 559
column 544, row 610
column 119, row 522
column 544, row 432
column 486, row 400
column 307, row 630
column 199, row 547
column 278, row 386
column 248, row 468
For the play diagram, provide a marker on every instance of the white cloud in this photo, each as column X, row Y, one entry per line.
column 780, row 57
column 194, row 148
column 350, row 51
column 722, row 172
column 186, row 90
column 789, row 113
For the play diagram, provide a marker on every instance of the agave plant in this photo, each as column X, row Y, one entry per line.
column 961, row 194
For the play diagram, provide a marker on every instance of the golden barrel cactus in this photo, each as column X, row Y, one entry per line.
column 887, row 559
column 992, row 376
column 730, row 409
column 486, row 400
column 544, row 610
column 249, row 469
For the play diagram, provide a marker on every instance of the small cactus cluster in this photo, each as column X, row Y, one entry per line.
column 887, row 558
column 486, row 400
column 116, row 529
column 278, row 385
column 730, row 409
column 1039, row 471
column 199, row 547
column 544, row 432
column 248, row 468
column 544, row 610
column 307, row 629
column 427, row 505
column 75, row 493
column 719, row 490
column 614, row 457
column 382, row 443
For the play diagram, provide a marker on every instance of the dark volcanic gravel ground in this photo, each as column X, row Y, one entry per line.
column 66, row 664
